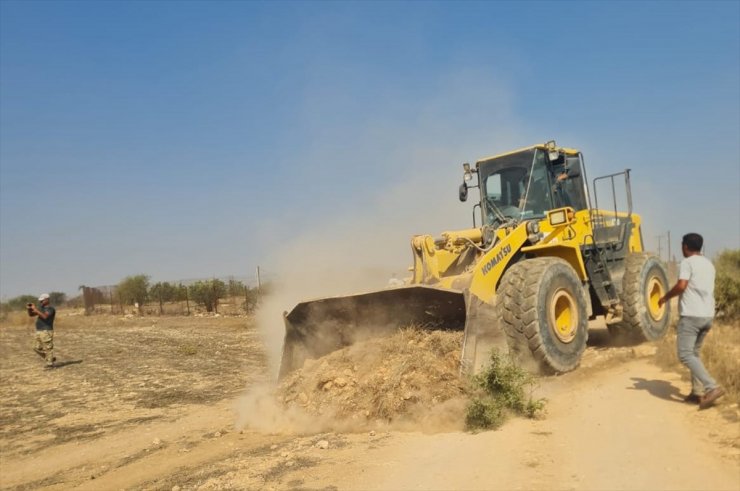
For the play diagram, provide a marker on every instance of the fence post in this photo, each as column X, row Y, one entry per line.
column 187, row 301
column 215, row 298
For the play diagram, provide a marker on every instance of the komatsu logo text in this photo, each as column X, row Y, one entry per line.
column 496, row 259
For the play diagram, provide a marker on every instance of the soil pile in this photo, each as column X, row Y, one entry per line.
column 404, row 377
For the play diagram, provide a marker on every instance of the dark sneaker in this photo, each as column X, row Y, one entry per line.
column 692, row 399
column 708, row 399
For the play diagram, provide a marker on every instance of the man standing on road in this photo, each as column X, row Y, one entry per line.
column 44, row 329
column 696, row 309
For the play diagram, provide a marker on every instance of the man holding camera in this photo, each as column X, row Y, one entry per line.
column 44, row 329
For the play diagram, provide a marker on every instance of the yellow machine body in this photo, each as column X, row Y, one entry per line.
column 455, row 277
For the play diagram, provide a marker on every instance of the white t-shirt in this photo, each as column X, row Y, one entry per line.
column 697, row 300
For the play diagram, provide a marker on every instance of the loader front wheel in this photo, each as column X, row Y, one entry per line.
column 645, row 281
column 545, row 312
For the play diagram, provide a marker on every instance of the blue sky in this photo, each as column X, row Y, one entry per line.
column 192, row 139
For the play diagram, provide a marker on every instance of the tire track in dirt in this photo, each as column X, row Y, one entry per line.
column 622, row 428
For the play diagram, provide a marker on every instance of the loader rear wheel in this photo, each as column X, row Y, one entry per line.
column 543, row 309
column 645, row 281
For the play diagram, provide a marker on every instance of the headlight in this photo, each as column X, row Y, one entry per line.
column 557, row 217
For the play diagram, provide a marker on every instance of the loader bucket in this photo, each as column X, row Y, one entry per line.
column 316, row 328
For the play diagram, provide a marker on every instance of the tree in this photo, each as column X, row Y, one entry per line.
column 134, row 289
column 236, row 288
column 252, row 299
column 208, row 293
column 57, row 298
column 164, row 291
column 181, row 293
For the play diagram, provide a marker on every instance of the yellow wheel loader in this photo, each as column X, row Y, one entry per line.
column 527, row 278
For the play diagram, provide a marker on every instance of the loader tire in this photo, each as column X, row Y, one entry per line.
column 543, row 310
column 645, row 281
column 508, row 307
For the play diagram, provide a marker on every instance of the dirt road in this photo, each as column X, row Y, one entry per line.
column 162, row 416
column 621, row 428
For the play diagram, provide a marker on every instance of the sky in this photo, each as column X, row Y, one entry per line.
column 198, row 139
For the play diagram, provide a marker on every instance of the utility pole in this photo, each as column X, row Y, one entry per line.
column 259, row 283
column 660, row 246
column 670, row 258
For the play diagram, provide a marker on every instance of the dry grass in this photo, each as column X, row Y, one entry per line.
column 76, row 318
column 16, row 319
column 720, row 354
column 116, row 372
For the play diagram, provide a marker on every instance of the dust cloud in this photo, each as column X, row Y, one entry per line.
column 361, row 248
column 405, row 381
column 362, row 243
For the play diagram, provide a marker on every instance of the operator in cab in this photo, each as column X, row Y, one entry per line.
column 567, row 189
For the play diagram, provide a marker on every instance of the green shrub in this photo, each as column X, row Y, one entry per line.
column 502, row 387
column 484, row 413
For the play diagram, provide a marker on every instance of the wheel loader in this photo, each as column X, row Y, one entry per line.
column 541, row 259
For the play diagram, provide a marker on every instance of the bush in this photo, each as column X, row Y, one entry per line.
column 727, row 284
column 19, row 302
column 15, row 305
column 502, row 388
column 484, row 413
column 134, row 289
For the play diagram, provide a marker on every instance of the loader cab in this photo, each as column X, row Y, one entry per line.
column 525, row 184
column 569, row 188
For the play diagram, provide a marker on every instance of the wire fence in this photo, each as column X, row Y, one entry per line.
column 228, row 295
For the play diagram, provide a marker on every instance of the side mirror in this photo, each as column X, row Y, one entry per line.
column 463, row 194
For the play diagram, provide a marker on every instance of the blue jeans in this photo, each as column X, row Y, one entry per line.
column 691, row 334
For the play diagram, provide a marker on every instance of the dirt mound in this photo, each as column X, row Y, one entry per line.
column 410, row 376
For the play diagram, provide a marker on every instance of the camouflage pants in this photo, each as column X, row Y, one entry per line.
column 45, row 345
